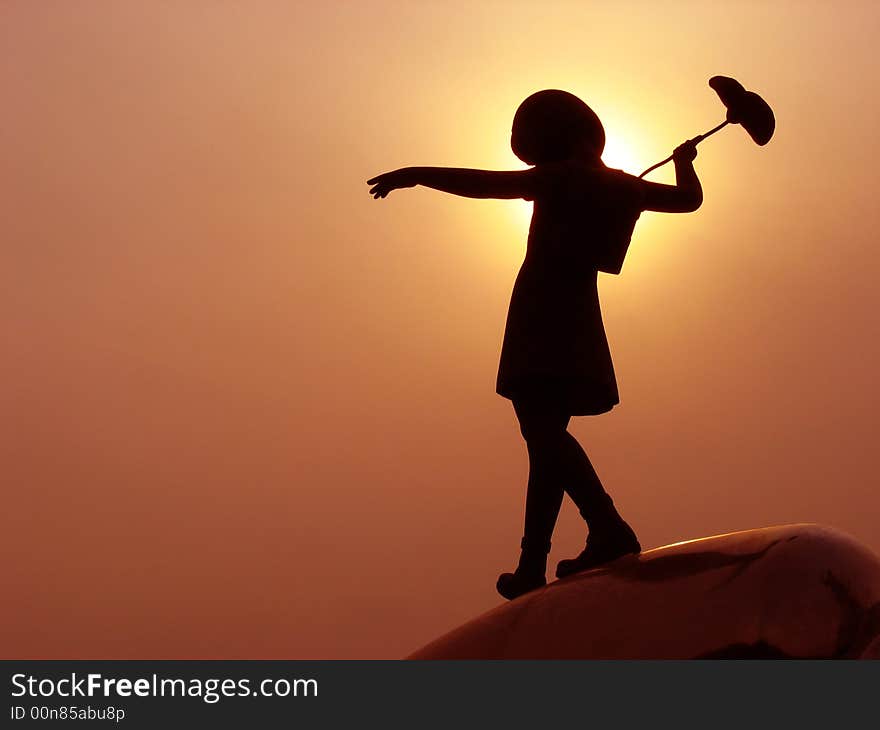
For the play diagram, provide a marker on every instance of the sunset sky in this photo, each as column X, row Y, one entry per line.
column 249, row 412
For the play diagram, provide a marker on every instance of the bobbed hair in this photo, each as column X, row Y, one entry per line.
column 549, row 124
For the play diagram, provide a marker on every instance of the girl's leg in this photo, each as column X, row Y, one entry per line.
column 585, row 488
column 543, row 427
column 610, row 537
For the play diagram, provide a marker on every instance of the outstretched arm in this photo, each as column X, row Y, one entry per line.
column 687, row 193
column 459, row 181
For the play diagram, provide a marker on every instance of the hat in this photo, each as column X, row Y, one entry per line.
column 550, row 123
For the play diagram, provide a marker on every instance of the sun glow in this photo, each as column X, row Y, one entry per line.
column 620, row 155
column 523, row 211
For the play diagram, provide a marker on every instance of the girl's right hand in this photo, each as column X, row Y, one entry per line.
column 388, row 181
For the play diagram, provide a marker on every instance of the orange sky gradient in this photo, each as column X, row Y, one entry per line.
column 249, row 412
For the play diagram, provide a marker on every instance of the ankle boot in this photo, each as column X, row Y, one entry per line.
column 529, row 574
column 610, row 538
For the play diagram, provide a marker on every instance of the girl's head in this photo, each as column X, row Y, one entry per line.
column 553, row 125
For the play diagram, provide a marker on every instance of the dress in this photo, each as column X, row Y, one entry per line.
column 554, row 340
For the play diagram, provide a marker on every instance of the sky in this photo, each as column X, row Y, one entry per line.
column 249, row 412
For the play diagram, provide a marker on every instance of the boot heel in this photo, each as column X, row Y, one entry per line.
column 514, row 585
column 530, row 573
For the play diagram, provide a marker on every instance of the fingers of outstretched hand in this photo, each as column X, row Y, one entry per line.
column 382, row 185
column 388, row 181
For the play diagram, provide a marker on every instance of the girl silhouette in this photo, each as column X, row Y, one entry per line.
column 555, row 362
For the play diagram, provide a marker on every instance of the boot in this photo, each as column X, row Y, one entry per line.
column 610, row 538
column 529, row 574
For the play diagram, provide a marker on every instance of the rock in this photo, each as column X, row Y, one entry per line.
column 793, row 591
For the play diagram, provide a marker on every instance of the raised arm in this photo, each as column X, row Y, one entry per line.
column 460, row 181
column 687, row 193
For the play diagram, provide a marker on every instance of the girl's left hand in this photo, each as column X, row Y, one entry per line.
column 388, row 181
column 685, row 152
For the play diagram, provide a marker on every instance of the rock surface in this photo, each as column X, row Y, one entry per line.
column 793, row 591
